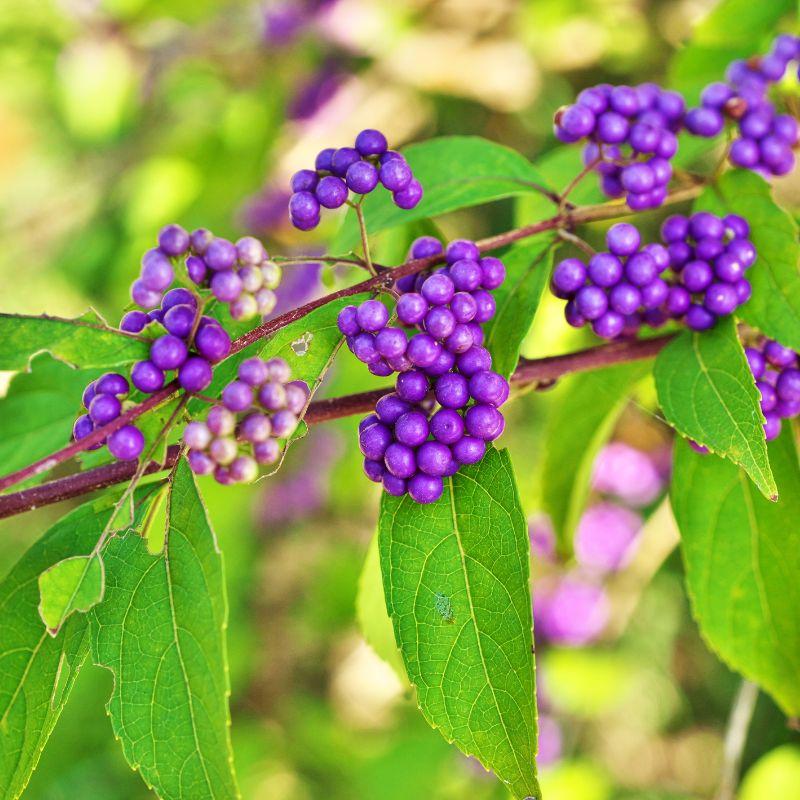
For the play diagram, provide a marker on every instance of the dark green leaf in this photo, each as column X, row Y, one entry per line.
column 585, row 409
column 774, row 307
column 84, row 342
column 161, row 631
column 455, row 576
column 742, row 557
column 455, row 172
column 528, row 267
column 38, row 411
column 733, row 29
column 37, row 671
column 707, row 393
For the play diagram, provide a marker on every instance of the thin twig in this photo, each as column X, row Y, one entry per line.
column 362, row 228
column 532, row 373
column 581, row 244
column 568, row 189
column 735, row 739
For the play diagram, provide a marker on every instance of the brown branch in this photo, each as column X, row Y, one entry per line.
column 567, row 219
column 541, row 371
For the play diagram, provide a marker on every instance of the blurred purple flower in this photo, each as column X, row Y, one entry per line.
column 266, row 211
column 569, row 610
column 627, row 473
column 303, row 493
column 300, row 283
column 284, row 21
column 606, row 537
column 315, row 92
column 549, row 741
column 542, row 536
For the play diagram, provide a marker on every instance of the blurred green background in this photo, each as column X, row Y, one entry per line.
column 118, row 116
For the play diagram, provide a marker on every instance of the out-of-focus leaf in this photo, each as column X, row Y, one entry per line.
column 742, row 557
column 455, row 575
column 585, row 410
column 161, row 630
column 708, row 394
column 774, row 307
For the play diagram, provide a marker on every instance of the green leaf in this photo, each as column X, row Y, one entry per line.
column 74, row 584
column 708, row 394
column 161, row 631
column 584, row 412
column 37, row 671
column 38, row 411
column 373, row 619
column 742, row 556
column 774, row 307
column 732, row 29
column 84, row 342
column 455, row 172
column 455, row 575
column 528, row 267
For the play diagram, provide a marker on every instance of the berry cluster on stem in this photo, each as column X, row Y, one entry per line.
column 359, row 169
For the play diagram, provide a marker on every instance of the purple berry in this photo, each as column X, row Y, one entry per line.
column 452, row 391
column 440, row 322
column 568, row 276
column 409, row 197
column 255, row 428
column 304, row 181
column 220, row 254
column 272, row 396
column 391, row 407
column 396, row 176
column 706, row 122
column 426, row 247
column 697, row 275
column 438, row 289
column 342, row 158
column 200, row 239
column 157, row 273
column 411, row 428
column 699, row 318
column 196, row 435
column 400, row 460
column 609, row 325
column 144, row 297
column 591, row 302
column 348, row 321
column 126, row 443
column 363, row 348
column 374, row 440
column 104, row 408
column 253, row 371
column 173, row 240
column 484, row 422
column 147, row 377
column 721, row 299
column 212, row 342
column 134, row 322
column 623, row 239
column 469, row 450
column 434, row 458
column 331, row 192
column 604, row 269
column 460, row 249
column 447, row 426
column 284, row 423
column 411, row 308
column 425, row 488
column 372, row 315
column 391, row 342
column 488, row 387
column 112, row 383
column 778, row 355
column 82, row 427
column 466, row 275
column 413, row 386
column 179, row 320
column 324, row 160
column 474, row 360
column 237, row 396
column 303, row 207
column 371, row 143
column 361, row 177
column 423, row 350
column 168, row 352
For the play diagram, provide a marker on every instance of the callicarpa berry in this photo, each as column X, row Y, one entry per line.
column 360, row 170
column 236, row 437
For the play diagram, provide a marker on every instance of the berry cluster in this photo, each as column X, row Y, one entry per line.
column 777, row 372
column 410, row 445
column 446, row 308
column 618, row 290
column 632, row 137
column 239, row 275
column 263, row 405
column 103, row 400
column 359, row 169
column 621, row 290
column 708, row 257
column 766, row 138
column 191, row 344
